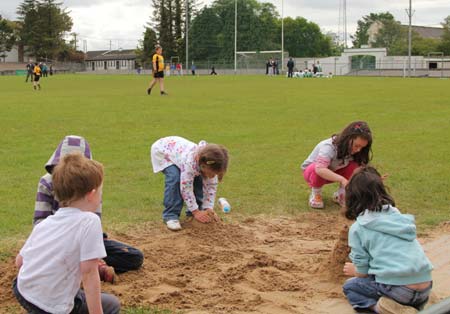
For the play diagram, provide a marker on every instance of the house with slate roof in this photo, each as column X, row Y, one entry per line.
column 102, row 61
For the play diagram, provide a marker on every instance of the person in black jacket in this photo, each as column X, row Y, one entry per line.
column 290, row 66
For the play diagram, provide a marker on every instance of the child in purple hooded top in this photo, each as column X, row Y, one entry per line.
column 120, row 256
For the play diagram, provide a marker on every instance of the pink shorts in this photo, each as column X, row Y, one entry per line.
column 316, row 181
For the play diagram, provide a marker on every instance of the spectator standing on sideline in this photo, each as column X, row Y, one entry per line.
column 213, row 71
column 30, row 68
column 44, row 70
column 193, row 68
column 290, row 66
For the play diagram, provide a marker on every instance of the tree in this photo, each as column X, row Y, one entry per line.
column 361, row 36
column 43, row 24
column 445, row 42
column 392, row 37
column 7, row 37
column 212, row 30
column 204, row 45
column 147, row 48
column 304, row 39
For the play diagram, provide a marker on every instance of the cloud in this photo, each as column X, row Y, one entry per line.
column 121, row 23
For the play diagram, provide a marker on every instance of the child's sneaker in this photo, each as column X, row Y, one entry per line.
column 339, row 198
column 315, row 201
column 107, row 273
column 149, row 91
column 164, row 94
column 388, row 306
column 173, row 225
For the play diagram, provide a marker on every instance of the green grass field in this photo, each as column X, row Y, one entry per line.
column 268, row 124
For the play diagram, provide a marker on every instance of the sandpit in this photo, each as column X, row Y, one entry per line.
column 256, row 265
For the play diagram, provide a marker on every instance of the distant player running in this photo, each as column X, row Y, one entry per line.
column 158, row 71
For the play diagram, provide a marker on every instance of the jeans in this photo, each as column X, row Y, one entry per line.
column 122, row 257
column 110, row 304
column 362, row 293
column 173, row 201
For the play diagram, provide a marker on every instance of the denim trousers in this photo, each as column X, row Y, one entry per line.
column 362, row 293
column 173, row 201
column 121, row 256
column 110, row 304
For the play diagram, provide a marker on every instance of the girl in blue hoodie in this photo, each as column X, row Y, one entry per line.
column 387, row 260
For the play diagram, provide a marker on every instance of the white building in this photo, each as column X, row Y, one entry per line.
column 105, row 61
column 375, row 61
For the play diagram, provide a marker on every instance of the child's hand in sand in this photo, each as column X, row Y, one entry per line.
column 201, row 216
column 349, row 269
column 213, row 214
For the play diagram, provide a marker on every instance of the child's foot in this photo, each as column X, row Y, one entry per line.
column 339, row 198
column 388, row 306
column 149, row 91
column 173, row 225
column 164, row 94
column 107, row 273
column 315, row 201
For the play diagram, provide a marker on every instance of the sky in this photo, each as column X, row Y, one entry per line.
column 115, row 24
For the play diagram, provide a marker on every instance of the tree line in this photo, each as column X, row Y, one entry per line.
column 42, row 25
column 211, row 31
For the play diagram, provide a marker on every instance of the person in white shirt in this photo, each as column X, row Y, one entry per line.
column 64, row 249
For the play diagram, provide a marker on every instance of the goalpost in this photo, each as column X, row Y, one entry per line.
column 254, row 62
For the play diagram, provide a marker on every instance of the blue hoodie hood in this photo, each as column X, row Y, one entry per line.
column 390, row 221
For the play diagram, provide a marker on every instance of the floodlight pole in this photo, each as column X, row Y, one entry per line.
column 345, row 23
column 410, row 14
column 187, row 36
column 235, row 37
column 282, row 36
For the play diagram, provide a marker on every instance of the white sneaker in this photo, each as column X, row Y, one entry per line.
column 173, row 225
column 339, row 198
column 315, row 201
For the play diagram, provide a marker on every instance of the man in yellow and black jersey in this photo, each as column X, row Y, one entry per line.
column 158, row 71
column 36, row 75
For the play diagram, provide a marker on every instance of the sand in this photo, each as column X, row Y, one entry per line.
column 257, row 265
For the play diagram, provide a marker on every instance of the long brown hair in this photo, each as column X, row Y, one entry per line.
column 365, row 190
column 215, row 157
column 343, row 142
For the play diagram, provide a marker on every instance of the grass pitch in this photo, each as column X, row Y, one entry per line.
column 269, row 125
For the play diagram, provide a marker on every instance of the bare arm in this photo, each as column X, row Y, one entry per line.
column 329, row 175
column 19, row 261
column 91, row 284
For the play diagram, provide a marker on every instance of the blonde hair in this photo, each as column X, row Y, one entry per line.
column 74, row 177
column 215, row 157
